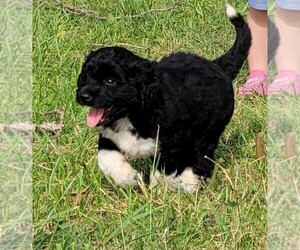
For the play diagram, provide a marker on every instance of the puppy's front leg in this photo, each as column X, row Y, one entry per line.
column 113, row 164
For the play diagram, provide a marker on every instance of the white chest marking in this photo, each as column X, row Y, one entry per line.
column 128, row 142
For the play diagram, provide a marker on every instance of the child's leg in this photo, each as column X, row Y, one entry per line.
column 257, row 59
column 288, row 53
column 258, row 23
column 287, row 20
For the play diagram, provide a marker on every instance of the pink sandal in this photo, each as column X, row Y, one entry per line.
column 287, row 82
column 255, row 84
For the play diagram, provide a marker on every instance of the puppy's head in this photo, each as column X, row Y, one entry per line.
column 112, row 82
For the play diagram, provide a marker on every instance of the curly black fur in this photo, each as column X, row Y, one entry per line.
column 190, row 98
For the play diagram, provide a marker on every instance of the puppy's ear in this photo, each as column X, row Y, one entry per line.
column 145, row 78
column 142, row 71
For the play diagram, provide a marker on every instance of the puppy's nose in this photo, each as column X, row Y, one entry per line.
column 84, row 96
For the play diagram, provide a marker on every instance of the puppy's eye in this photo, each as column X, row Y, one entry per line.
column 110, row 82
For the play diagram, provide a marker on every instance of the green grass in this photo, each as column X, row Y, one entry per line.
column 75, row 206
column 283, row 174
column 15, row 148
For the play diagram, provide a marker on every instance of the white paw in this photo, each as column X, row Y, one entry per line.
column 126, row 176
column 113, row 164
column 186, row 181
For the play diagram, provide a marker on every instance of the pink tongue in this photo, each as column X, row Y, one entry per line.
column 94, row 117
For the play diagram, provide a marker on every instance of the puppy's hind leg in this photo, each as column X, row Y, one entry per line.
column 204, row 153
column 187, row 181
column 175, row 173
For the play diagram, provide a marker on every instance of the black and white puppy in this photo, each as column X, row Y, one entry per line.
column 184, row 100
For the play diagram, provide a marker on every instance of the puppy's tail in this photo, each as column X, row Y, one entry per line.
column 233, row 60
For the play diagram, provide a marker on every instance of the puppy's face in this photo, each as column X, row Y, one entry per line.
column 109, row 84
